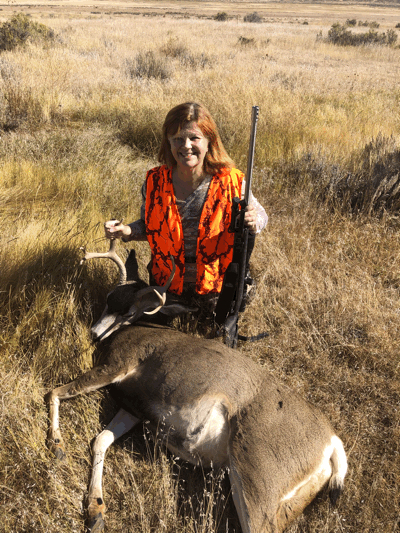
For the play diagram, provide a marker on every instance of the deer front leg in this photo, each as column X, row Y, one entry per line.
column 120, row 424
column 93, row 380
column 54, row 440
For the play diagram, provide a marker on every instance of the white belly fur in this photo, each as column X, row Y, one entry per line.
column 202, row 426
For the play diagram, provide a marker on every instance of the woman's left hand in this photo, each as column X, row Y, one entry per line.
column 250, row 218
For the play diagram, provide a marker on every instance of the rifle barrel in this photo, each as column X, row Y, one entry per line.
column 249, row 174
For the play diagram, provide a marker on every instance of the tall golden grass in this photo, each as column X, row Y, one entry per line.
column 80, row 123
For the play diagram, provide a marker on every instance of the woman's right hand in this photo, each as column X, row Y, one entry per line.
column 114, row 229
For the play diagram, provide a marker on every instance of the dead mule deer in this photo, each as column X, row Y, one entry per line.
column 215, row 406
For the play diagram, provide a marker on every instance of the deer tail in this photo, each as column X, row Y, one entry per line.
column 339, row 469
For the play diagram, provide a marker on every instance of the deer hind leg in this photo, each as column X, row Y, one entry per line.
column 252, row 518
column 293, row 503
column 120, row 424
column 93, row 380
column 239, row 499
column 331, row 469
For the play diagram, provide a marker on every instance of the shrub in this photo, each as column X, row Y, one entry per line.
column 372, row 186
column 20, row 29
column 195, row 61
column 175, row 49
column 340, row 35
column 253, row 17
column 397, row 25
column 391, row 37
column 244, row 41
column 373, row 24
column 147, row 65
column 351, row 22
column 221, row 16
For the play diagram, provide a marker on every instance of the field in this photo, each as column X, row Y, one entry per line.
column 80, row 114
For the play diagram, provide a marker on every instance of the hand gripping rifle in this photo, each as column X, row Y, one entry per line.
column 231, row 296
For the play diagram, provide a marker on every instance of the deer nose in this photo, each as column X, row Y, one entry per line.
column 94, row 335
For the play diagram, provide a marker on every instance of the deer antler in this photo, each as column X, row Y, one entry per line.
column 162, row 293
column 111, row 254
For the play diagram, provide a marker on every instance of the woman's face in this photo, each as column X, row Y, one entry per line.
column 189, row 147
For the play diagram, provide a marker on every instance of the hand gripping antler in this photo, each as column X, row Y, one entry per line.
column 111, row 254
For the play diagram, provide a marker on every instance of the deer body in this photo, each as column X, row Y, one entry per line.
column 214, row 406
column 179, row 384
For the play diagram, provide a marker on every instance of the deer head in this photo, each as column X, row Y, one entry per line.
column 132, row 298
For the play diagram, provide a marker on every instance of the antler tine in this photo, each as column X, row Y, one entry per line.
column 171, row 277
column 111, row 254
column 162, row 293
column 162, row 299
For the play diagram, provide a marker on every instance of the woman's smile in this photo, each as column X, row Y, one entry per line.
column 189, row 146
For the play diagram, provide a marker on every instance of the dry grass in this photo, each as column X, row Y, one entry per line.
column 79, row 128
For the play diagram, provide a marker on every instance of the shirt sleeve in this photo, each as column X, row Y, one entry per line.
column 143, row 206
column 138, row 229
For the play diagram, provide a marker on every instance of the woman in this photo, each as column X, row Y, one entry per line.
column 187, row 205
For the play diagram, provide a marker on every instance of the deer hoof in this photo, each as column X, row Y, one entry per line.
column 96, row 523
column 56, row 446
column 59, row 453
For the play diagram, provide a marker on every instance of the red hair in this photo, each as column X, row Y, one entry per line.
column 216, row 158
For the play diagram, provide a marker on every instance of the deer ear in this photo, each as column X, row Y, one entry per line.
column 177, row 309
column 132, row 267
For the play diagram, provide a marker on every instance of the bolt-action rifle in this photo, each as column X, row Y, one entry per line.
column 231, row 297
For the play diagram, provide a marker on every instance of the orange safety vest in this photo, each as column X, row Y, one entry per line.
column 165, row 234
